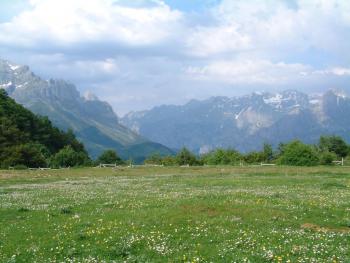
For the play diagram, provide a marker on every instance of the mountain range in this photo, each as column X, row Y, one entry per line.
column 246, row 122
column 93, row 121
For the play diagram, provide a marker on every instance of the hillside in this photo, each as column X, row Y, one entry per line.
column 245, row 123
column 93, row 121
column 26, row 139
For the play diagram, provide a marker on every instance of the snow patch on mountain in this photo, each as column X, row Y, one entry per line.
column 14, row 67
column 275, row 100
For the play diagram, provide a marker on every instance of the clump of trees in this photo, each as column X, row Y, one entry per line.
column 295, row 153
column 183, row 157
column 222, row 157
column 68, row 157
column 298, row 154
column 109, row 157
column 28, row 140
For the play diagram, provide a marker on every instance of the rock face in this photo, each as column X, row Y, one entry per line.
column 92, row 120
column 245, row 123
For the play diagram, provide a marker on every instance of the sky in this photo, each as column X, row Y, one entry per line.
column 143, row 53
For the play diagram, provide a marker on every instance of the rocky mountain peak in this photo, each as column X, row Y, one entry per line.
column 89, row 96
column 246, row 122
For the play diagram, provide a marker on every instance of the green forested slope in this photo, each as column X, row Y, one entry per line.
column 30, row 140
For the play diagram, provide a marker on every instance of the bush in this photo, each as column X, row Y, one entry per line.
column 20, row 167
column 268, row 153
column 254, row 157
column 299, row 154
column 67, row 157
column 222, row 157
column 29, row 155
column 109, row 157
column 185, row 157
column 155, row 159
column 169, row 161
column 327, row 158
column 333, row 144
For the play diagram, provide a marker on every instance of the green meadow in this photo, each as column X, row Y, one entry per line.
column 173, row 214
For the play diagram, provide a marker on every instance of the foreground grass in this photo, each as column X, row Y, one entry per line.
column 204, row 214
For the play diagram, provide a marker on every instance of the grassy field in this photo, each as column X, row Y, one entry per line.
column 203, row 214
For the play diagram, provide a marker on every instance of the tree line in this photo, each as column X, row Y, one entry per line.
column 295, row 153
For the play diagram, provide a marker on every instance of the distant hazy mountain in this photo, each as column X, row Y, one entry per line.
column 92, row 120
column 245, row 123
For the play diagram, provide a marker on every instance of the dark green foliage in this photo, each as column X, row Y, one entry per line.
column 155, row 159
column 20, row 167
column 327, row 158
column 29, row 155
column 298, row 154
column 109, row 157
column 333, row 144
column 185, row 157
column 254, row 157
column 280, row 149
column 268, row 153
column 68, row 157
column 169, row 160
column 27, row 139
column 222, row 157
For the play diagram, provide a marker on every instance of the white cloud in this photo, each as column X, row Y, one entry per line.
column 127, row 50
column 67, row 22
column 337, row 71
column 267, row 27
column 249, row 72
column 207, row 41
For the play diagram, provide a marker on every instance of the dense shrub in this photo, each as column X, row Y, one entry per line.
column 155, row 159
column 185, row 157
column 268, row 153
column 254, row 157
column 68, row 157
column 333, row 144
column 222, row 157
column 109, row 157
column 169, row 161
column 327, row 158
column 298, row 154
column 29, row 155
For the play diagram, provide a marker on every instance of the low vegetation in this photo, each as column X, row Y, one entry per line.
column 109, row 157
column 329, row 150
column 176, row 214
